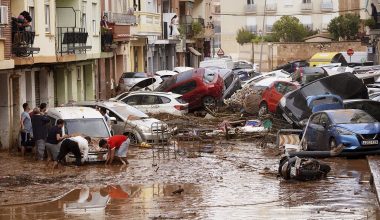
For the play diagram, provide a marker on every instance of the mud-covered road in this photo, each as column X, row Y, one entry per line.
column 237, row 181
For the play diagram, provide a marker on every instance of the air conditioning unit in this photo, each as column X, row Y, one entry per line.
column 3, row 14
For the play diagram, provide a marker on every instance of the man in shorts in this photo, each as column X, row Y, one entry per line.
column 117, row 145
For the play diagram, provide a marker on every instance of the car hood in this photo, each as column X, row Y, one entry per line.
column 146, row 122
column 363, row 128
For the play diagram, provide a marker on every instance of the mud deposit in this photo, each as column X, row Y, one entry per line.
column 237, row 181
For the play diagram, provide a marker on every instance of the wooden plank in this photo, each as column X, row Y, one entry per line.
column 374, row 167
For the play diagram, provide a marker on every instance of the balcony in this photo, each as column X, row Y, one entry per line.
column 195, row 27
column 327, row 6
column 71, row 40
column 148, row 23
column 22, row 43
column 121, row 18
column 106, row 40
column 250, row 8
column 306, row 6
column 271, row 7
column 120, row 32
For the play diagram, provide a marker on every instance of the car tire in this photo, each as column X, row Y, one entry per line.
column 209, row 102
column 132, row 137
column 332, row 143
column 263, row 109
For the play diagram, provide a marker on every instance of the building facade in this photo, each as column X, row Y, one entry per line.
column 259, row 17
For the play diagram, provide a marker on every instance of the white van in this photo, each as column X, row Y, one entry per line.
column 224, row 63
column 84, row 121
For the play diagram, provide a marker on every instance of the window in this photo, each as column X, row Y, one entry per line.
column 228, row 81
column 84, row 15
column 324, row 119
column 185, row 88
column 94, row 16
column 47, row 16
column 315, row 119
column 32, row 14
column 165, row 100
column 281, row 88
column 306, row 1
column 150, row 100
column 133, row 100
column 250, row 2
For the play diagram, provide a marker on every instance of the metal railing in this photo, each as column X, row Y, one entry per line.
column 250, row 8
column 327, row 6
column 106, row 41
column 307, row 6
column 22, row 43
column 122, row 18
column 72, row 40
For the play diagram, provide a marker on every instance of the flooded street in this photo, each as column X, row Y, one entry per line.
column 237, row 181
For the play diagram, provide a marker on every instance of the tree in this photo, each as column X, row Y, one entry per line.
column 244, row 36
column 289, row 29
column 345, row 27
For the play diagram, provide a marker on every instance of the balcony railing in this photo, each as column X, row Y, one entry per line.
column 307, row 6
column 71, row 40
column 121, row 18
column 327, row 6
column 187, row 25
column 106, row 40
column 271, row 7
column 22, row 43
column 250, row 8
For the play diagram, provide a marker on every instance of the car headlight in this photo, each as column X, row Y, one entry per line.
column 343, row 131
column 283, row 101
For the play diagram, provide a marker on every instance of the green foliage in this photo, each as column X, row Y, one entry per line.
column 243, row 36
column 371, row 23
column 182, row 30
column 345, row 26
column 289, row 29
column 196, row 27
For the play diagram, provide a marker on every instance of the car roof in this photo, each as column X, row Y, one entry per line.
column 166, row 72
column 358, row 100
column 106, row 104
column 73, row 112
column 341, row 111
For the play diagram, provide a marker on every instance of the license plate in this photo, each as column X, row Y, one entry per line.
column 370, row 142
column 287, row 118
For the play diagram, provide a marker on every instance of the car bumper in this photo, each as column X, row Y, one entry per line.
column 92, row 157
column 352, row 143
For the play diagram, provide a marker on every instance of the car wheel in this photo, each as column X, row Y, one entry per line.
column 132, row 137
column 263, row 110
column 209, row 102
column 332, row 144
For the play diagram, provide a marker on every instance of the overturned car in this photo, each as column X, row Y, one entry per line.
column 294, row 106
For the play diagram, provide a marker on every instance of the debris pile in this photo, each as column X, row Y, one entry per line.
column 247, row 98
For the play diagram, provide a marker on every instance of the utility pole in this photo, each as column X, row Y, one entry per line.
column 262, row 36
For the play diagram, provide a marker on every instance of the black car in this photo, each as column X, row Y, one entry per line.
column 291, row 67
column 346, row 85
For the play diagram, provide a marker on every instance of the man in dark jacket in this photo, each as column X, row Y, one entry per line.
column 40, row 130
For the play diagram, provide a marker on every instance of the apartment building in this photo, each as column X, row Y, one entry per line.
column 259, row 17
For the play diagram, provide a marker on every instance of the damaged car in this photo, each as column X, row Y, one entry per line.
column 84, row 121
column 129, row 79
column 232, row 82
column 199, row 87
column 294, row 107
column 131, row 122
column 354, row 128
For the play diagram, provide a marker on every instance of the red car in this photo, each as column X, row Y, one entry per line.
column 199, row 87
column 273, row 93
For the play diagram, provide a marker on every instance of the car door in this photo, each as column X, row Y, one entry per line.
column 135, row 101
column 117, row 126
column 323, row 132
column 150, row 103
column 311, row 131
column 274, row 96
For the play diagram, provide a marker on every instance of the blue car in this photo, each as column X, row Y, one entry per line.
column 354, row 128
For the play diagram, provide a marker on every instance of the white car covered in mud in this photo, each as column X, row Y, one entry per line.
column 130, row 121
column 86, row 122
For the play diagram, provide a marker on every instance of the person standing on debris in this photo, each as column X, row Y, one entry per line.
column 374, row 12
column 26, row 129
column 77, row 145
column 53, row 140
column 117, row 145
column 40, row 130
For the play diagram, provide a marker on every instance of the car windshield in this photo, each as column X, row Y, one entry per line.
column 351, row 117
column 93, row 127
column 134, row 75
column 129, row 112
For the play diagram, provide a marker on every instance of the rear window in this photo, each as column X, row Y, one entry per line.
column 174, row 80
column 185, row 88
column 180, row 100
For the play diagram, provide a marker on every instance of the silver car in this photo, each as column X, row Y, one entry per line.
column 130, row 121
column 129, row 79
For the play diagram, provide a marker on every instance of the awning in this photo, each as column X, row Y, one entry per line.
column 194, row 51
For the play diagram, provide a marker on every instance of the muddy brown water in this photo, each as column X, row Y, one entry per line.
column 238, row 181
